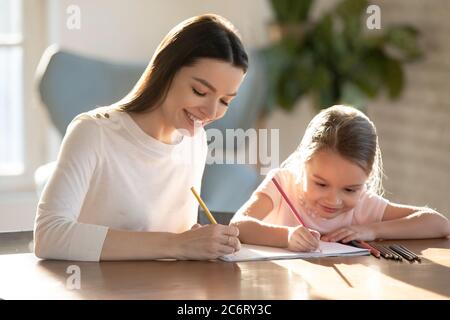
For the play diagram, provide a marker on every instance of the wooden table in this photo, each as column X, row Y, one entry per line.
column 23, row 276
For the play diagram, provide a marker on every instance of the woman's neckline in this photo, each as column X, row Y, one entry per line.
column 147, row 140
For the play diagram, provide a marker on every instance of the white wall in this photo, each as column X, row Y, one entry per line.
column 415, row 130
column 131, row 30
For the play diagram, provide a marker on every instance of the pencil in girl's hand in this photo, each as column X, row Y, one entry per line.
column 285, row 197
column 204, row 207
column 291, row 206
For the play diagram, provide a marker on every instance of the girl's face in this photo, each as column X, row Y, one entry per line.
column 200, row 94
column 332, row 184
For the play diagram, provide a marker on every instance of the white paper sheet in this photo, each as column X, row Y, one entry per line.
column 326, row 249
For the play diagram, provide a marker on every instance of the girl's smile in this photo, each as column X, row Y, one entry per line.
column 332, row 184
column 329, row 210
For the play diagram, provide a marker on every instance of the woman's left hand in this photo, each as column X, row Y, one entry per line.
column 350, row 233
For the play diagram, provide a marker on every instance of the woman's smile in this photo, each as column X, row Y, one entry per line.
column 193, row 120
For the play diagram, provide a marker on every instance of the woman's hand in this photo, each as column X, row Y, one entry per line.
column 350, row 233
column 207, row 242
column 303, row 239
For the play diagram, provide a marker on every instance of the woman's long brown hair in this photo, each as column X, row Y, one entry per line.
column 204, row 36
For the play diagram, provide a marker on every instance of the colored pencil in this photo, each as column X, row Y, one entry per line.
column 404, row 254
column 385, row 254
column 409, row 251
column 372, row 250
column 399, row 249
column 395, row 254
column 283, row 194
column 291, row 206
column 412, row 255
column 364, row 245
column 204, row 207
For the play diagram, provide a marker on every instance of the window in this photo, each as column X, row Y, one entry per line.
column 22, row 120
column 11, row 89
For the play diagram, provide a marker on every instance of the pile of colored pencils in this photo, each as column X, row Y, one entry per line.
column 394, row 251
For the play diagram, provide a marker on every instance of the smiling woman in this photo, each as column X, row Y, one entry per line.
column 194, row 73
column 198, row 95
column 120, row 190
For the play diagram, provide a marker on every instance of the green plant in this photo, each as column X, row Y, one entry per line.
column 336, row 58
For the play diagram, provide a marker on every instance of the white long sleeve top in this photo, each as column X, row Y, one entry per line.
column 111, row 174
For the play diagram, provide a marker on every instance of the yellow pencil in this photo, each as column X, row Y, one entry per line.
column 204, row 207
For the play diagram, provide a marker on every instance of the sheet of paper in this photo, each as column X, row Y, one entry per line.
column 326, row 249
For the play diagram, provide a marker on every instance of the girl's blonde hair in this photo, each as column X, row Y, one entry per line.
column 348, row 132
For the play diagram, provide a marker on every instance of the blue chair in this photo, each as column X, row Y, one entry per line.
column 70, row 83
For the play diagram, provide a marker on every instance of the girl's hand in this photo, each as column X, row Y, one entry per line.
column 207, row 242
column 350, row 233
column 303, row 239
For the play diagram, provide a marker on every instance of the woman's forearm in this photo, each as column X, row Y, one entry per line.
column 133, row 245
column 254, row 231
column 198, row 243
column 419, row 225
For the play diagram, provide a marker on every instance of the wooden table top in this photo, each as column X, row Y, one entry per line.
column 23, row 276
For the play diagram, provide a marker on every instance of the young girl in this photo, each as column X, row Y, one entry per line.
column 334, row 180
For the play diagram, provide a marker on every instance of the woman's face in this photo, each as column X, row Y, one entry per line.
column 200, row 94
column 332, row 184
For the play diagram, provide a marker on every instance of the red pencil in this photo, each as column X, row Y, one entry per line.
column 372, row 250
column 294, row 211
column 364, row 245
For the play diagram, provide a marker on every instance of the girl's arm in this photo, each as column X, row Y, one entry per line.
column 409, row 222
column 399, row 222
column 252, row 229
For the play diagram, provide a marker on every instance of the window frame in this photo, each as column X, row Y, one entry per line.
column 32, row 40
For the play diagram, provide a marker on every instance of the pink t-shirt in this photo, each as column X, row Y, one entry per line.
column 369, row 209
